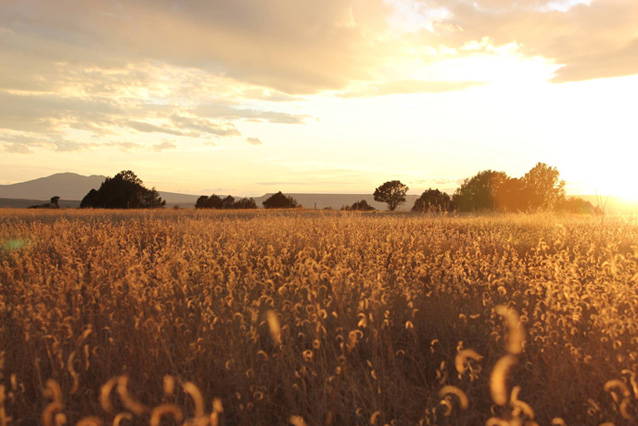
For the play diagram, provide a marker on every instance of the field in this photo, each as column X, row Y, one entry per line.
column 317, row 318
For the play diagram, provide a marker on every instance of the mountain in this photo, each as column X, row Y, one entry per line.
column 68, row 186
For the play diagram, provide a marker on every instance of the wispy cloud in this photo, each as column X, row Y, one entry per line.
column 165, row 145
column 254, row 141
column 589, row 39
column 409, row 87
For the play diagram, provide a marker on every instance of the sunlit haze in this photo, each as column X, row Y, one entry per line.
column 331, row 96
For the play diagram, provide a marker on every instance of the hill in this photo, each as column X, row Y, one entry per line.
column 336, row 201
column 71, row 188
column 68, row 186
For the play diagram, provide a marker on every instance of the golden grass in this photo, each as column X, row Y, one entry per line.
column 262, row 318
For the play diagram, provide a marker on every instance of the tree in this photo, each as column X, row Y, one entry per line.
column 245, row 203
column 544, row 187
column 52, row 204
column 228, row 202
column 359, row 206
column 433, row 200
column 123, row 191
column 512, row 195
column 392, row 193
column 202, row 202
column 481, row 192
column 280, row 201
column 212, row 202
column 577, row 205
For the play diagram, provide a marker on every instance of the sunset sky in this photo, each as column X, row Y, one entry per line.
column 332, row 96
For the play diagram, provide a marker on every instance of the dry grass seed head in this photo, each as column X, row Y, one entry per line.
column 105, row 395
column 128, row 401
column 297, row 421
column 621, row 386
column 165, row 410
column 89, row 421
column 122, row 416
column 198, row 400
column 461, row 361
column 273, row 325
column 169, row 385
column 515, row 335
column 460, row 395
column 498, row 379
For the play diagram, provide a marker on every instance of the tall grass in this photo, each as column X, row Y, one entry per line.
column 261, row 318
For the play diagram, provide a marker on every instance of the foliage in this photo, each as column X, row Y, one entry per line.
column 280, row 201
column 263, row 318
column 359, row 206
column 212, row 202
column 540, row 189
column 123, row 191
column 577, row 205
column 245, row 203
column 481, row 192
column 545, row 189
column 433, row 200
column 216, row 202
column 392, row 193
column 52, row 204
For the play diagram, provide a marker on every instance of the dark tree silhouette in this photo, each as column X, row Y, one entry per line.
column 280, row 201
column 544, row 187
column 512, row 195
column 480, row 192
column 202, row 202
column 215, row 202
column 123, row 191
column 212, row 202
column 539, row 189
column 245, row 203
column 92, row 199
column 52, row 204
column 433, row 200
column 392, row 193
column 228, row 202
column 359, row 206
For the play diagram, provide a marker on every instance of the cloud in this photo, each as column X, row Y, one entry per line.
column 151, row 128
column 409, row 87
column 164, row 146
column 254, row 141
column 202, row 125
column 21, row 143
column 294, row 46
column 199, row 69
column 231, row 111
column 595, row 40
column 126, row 146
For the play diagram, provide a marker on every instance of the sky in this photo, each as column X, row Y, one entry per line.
column 248, row 97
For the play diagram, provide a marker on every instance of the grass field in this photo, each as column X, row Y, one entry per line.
column 264, row 318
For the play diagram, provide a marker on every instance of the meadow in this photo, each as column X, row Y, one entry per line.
column 317, row 318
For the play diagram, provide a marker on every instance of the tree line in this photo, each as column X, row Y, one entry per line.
column 540, row 189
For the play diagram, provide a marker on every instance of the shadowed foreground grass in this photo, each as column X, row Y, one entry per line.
column 263, row 318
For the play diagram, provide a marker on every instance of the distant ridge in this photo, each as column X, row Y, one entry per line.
column 68, row 186
column 71, row 187
column 336, row 201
